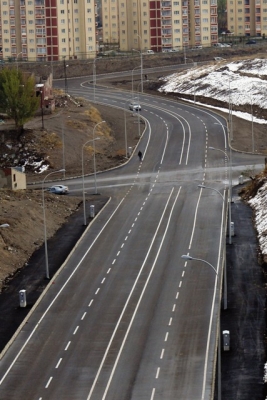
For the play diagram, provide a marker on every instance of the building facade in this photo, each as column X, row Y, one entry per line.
column 159, row 24
column 47, row 29
column 247, row 17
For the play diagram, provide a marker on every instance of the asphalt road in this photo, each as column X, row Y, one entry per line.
column 127, row 318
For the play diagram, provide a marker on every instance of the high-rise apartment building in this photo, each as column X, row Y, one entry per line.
column 159, row 24
column 47, row 29
column 247, row 17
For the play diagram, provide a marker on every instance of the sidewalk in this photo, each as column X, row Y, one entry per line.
column 243, row 366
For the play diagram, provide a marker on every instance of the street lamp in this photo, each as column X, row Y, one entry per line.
column 141, row 56
column 132, row 78
column 45, row 235
column 42, row 109
column 94, row 76
column 141, row 65
column 84, row 211
column 230, row 242
column 65, row 75
column 94, row 153
column 17, row 60
column 189, row 258
column 125, row 130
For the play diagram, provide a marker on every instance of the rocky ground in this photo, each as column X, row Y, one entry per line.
column 22, row 210
column 70, row 127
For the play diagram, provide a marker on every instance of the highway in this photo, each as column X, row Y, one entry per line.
column 127, row 317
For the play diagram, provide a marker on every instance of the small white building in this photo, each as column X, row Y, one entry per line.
column 12, row 178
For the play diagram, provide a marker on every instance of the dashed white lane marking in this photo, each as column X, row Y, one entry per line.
column 173, row 308
column 49, row 381
column 183, row 273
column 97, row 290
column 66, row 348
column 152, row 394
column 177, row 295
column 89, row 305
column 58, row 363
column 108, row 271
column 158, row 371
column 84, row 314
column 162, row 354
column 76, row 329
column 166, row 337
column 103, row 280
column 122, row 245
column 113, row 262
column 126, row 238
column 180, row 284
column 118, row 253
column 129, row 231
column 170, row 321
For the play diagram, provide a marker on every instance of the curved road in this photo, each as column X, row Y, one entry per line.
column 127, row 318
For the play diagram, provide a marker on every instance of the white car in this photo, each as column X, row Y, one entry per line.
column 134, row 107
column 59, row 189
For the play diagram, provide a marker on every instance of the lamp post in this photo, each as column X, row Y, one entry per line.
column 230, row 189
column 225, row 272
column 65, row 75
column 42, row 109
column 141, row 56
column 125, row 130
column 44, row 217
column 84, row 211
column 94, row 153
column 94, row 76
column 132, row 79
column 141, row 66
column 189, row 258
column 17, row 60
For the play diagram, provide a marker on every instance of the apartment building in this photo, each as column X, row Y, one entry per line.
column 247, row 17
column 47, row 29
column 159, row 24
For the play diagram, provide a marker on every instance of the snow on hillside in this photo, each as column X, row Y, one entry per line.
column 238, row 82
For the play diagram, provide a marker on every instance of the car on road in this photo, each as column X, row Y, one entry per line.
column 59, row 189
column 134, row 107
column 251, row 41
column 219, row 59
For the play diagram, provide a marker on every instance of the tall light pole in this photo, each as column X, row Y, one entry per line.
column 225, row 272
column 17, row 56
column 84, row 211
column 44, row 217
column 230, row 189
column 141, row 56
column 141, row 66
column 94, row 153
column 42, row 109
column 132, row 79
column 65, row 75
column 94, row 76
column 189, row 258
column 125, row 130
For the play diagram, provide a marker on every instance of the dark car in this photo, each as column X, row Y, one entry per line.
column 251, row 42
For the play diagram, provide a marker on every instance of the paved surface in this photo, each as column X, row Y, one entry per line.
column 242, row 366
column 32, row 278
